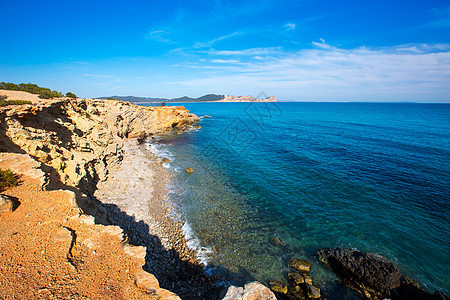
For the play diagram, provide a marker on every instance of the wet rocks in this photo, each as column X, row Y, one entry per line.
column 278, row 287
column 300, row 284
column 368, row 273
column 301, row 265
column 372, row 275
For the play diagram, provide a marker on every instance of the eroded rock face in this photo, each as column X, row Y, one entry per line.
column 80, row 138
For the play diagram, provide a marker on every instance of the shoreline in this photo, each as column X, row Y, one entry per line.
column 135, row 196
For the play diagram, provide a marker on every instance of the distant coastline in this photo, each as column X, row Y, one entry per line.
column 185, row 99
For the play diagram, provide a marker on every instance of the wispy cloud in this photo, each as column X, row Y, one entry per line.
column 210, row 43
column 441, row 19
column 245, row 52
column 322, row 44
column 404, row 72
column 290, row 26
column 161, row 36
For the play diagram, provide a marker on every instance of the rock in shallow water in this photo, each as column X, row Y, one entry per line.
column 366, row 272
column 277, row 242
column 301, row 265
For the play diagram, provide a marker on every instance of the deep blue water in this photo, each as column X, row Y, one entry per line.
column 369, row 176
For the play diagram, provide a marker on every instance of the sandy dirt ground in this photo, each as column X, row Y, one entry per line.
column 48, row 252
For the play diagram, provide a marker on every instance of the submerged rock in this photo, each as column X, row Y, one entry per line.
column 277, row 242
column 278, row 287
column 301, row 265
column 312, row 291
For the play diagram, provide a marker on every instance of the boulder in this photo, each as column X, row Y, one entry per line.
column 251, row 291
column 278, row 287
column 299, row 278
column 8, row 204
column 369, row 273
column 301, row 265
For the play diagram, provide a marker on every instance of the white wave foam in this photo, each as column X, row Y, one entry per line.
column 192, row 241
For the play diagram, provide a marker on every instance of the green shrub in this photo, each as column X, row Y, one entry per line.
column 14, row 102
column 44, row 93
column 8, row 179
column 71, row 95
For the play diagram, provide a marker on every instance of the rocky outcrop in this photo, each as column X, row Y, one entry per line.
column 80, row 138
column 372, row 275
column 251, row 291
column 228, row 98
column 300, row 285
column 49, row 249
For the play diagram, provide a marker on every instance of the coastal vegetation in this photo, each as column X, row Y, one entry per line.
column 44, row 93
column 71, row 95
column 7, row 179
column 4, row 102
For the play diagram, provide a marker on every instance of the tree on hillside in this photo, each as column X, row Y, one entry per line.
column 71, row 95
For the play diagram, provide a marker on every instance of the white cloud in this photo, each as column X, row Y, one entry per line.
column 409, row 73
column 290, row 26
column 322, row 44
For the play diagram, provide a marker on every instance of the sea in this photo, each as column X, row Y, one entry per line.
column 368, row 176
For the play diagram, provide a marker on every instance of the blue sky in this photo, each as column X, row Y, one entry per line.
column 295, row 50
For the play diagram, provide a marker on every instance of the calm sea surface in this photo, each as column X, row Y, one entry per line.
column 369, row 176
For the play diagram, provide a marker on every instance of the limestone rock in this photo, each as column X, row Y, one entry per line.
column 251, row 291
column 7, row 203
column 301, row 265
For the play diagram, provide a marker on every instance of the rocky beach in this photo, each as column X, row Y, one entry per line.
column 91, row 152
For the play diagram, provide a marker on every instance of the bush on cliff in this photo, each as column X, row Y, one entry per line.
column 7, row 179
column 44, row 93
column 71, row 95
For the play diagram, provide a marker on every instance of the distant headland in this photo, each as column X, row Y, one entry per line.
column 205, row 98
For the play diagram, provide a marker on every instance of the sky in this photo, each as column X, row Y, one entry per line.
column 303, row 50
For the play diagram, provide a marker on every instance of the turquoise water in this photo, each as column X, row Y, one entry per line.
column 374, row 177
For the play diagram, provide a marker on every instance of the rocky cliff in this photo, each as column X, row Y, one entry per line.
column 72, row 144
column 80, row 138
